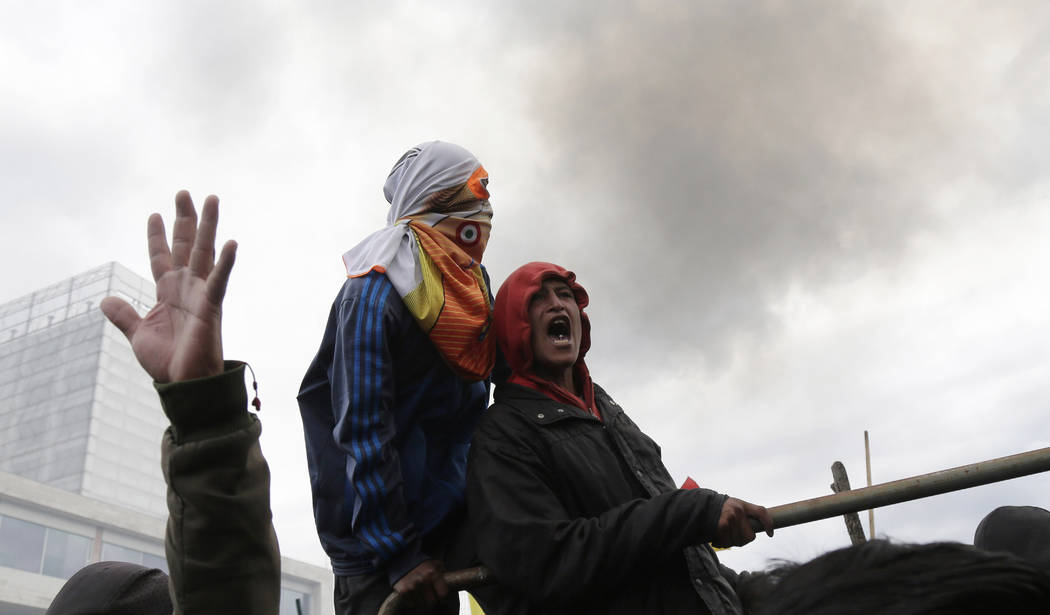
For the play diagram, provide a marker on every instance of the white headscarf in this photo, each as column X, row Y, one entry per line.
column 421, row 171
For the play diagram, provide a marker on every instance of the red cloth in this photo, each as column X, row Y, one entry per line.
column 514, row 333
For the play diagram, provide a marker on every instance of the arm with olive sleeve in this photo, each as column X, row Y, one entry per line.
column 221, row 547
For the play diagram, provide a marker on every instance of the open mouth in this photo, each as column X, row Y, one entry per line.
column 558, row 329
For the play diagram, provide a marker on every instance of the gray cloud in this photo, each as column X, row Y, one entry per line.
column 218, row 72
column 708, row 158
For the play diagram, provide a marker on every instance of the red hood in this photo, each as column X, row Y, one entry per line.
column 511, row 318
column 514, row 333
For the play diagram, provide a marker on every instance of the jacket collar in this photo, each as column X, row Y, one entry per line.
column 544, row 410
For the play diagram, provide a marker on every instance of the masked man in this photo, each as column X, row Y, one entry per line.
column 399, row 383
column 570, row 504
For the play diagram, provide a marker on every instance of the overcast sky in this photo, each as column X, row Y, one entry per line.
column 796, row 220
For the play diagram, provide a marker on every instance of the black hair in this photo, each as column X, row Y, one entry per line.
column 905, row 579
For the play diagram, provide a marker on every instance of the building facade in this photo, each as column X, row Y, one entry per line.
column 80, row 432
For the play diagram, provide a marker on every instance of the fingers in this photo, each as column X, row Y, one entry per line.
column 184, row 230
column 121, row 314
column 432, row 586
column 440, row 587
column 202, row 254
column 763, row 516
column 215, row 286
column 426, row 592
column 734, row 524
column 424, row 584
column 743, row 533
column 157, row 244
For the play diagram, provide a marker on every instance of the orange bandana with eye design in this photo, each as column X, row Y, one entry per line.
column 452, row 304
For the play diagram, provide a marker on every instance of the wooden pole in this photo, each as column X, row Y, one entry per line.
column 841, row 484
column 914, row 488
column 867, row 463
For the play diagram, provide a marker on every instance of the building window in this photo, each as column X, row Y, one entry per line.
column 65, row 553
column 117, row 553
column 21, row 544
column 154, row 561
column 42, row 550
column 288, row 599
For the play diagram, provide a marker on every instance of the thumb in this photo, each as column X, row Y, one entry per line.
column 122, row 315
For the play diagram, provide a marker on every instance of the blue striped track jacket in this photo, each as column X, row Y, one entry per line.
column 387, row 428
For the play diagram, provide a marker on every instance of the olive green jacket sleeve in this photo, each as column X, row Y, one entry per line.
column 221, row 547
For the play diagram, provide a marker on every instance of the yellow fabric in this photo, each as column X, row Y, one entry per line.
column 475, row 608
column 426, row 301
column 452, row 304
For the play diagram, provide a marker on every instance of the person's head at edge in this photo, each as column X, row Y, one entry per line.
column 113, row 588
column 1021, row 530
column 542, row 329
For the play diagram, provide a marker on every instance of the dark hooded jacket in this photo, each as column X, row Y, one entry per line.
column 576, row 514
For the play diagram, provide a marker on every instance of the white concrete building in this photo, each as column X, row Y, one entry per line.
column 80, row 432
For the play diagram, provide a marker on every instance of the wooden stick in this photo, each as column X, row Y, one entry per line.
column 841, row 484
column 867, row 462
column 914, row 488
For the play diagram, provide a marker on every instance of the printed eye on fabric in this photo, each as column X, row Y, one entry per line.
column 468, row 233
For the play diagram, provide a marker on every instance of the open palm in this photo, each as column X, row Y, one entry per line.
column 181, row 337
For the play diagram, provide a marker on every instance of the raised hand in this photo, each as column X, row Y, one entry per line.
column 181, row 337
